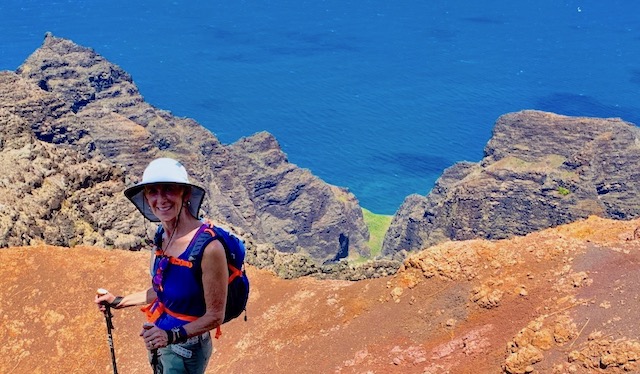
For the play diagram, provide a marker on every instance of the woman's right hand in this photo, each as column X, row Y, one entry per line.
column 103, row 299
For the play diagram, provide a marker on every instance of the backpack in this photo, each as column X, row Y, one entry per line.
column 238, row 287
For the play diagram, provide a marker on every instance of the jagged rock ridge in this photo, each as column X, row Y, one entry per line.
column 539, row 170
column 89, row 133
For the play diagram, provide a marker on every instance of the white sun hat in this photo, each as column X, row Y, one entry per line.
column 164, row 170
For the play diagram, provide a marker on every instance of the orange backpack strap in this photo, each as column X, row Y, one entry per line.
column 153, row 311
column 180, row 262
column 183, row 317
column 233, row 272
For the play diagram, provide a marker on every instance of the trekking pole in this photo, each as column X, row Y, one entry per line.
column 154, row 361
column 108, row 319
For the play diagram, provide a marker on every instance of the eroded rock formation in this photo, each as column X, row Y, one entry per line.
column 539, row 170
column 75, row 131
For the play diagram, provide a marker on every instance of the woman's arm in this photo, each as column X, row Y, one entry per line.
column 138, row 298
column 134, row 299
column 215, row 278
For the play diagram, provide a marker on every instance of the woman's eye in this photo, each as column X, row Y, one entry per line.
column 170, row 189
column 163, row 189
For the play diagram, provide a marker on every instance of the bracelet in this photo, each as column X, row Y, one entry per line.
column 114, row 304
column 176, row 335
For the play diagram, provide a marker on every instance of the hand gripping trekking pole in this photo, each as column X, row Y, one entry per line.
column 107, row 317
column 154, row 352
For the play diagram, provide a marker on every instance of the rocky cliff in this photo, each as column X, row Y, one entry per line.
column 75, row 131
column 539, row 170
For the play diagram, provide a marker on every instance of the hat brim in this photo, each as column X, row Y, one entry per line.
column 135, row 194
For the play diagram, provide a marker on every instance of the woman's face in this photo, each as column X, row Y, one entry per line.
column 165, row 199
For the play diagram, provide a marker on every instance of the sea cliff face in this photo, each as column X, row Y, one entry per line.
column 539, row 170
column 75, row 131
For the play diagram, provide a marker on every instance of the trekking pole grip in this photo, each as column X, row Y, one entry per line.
column 154, row 352
column 108, row 319
column 107, row 312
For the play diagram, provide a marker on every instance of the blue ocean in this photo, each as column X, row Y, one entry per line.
column 376, row 96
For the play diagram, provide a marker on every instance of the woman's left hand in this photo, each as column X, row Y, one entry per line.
column 153, row 336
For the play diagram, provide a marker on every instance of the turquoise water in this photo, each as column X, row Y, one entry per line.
column 377, row 96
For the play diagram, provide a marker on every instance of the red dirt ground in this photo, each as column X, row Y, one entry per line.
column 563, row 300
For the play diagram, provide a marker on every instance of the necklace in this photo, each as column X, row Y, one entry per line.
column 173, row 232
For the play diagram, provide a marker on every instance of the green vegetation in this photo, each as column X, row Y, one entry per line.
column 563, row 191
column 378, row 225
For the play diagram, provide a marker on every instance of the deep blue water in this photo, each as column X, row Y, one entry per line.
column 377, row 96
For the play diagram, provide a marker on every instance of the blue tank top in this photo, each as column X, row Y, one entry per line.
column 182, row 292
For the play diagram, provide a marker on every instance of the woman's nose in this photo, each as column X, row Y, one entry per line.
column 163, row 192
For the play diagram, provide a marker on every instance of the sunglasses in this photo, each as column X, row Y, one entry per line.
column 157, row 278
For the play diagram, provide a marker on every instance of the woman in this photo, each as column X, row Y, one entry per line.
column 187, row 296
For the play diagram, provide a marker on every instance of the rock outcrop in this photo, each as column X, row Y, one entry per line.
column 539, row 170
column 50, row 193
column 75, row 131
